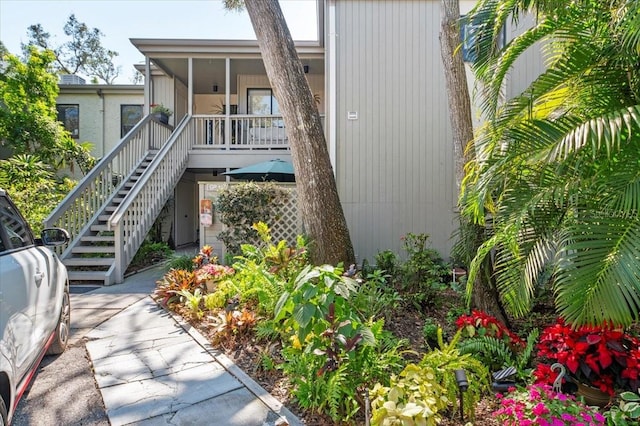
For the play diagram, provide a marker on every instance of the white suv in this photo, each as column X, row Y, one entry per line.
column 34, row 303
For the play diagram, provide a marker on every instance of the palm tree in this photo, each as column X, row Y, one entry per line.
column 556, row 178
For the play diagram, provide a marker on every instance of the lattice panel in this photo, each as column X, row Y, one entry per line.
column 288, row 224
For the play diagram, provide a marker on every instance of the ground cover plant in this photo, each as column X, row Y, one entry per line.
column 336, row 343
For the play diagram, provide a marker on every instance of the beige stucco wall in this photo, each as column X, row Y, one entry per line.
column 99, row 108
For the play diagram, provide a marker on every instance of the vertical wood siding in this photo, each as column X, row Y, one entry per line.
column 395, row 162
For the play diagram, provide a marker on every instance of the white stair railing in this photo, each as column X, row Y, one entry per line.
column 133, row 219
column 82, row 205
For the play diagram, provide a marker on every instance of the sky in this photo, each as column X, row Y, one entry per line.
column 120, row 20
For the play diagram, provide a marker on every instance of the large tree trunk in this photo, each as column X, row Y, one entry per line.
column 484, row 295
column 456, row 84
column 318, row 200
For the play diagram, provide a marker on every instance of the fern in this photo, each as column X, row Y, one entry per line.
column 524, row 359
column 494, row 352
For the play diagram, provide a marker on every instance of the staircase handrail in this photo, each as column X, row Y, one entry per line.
column 97, row 186
column 127, row 243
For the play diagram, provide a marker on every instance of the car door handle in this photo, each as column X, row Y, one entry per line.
column 38, row 276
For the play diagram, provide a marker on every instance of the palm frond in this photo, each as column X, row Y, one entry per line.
column 598, row 274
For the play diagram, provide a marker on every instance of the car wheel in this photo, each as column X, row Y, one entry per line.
column 62, row 330
column 3, row 413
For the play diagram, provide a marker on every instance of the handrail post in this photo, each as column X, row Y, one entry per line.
column 119, row 252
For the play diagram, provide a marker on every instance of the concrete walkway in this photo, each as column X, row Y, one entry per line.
column 152, row 369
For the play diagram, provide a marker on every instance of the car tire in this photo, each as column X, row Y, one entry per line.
column 64, row 327
column 3, row 413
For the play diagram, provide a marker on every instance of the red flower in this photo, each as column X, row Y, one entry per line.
column 601, row 356
column 483, row 324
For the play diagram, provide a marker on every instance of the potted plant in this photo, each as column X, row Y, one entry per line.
column 604, row 358
column 213, row 273
column 161, row 113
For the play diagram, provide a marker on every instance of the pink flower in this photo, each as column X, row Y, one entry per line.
column 540, row 409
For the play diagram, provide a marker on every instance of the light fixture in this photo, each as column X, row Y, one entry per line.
column 463, row 385
column 215, row 88
column 306, row 69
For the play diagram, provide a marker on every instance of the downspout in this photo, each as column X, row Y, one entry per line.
column 102, row 113
column 190, row 93
column 227, row 101
column 147, row 85
column 330, row 69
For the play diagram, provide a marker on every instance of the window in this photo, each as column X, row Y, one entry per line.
column 129, row 117
column 261, row 102
column 16, row 229
column 69, row 115
column 469, row 34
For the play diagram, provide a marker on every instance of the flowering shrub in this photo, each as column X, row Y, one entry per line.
column 600, row 356
column 483, row 324
column 215, row 272
column 540, row 405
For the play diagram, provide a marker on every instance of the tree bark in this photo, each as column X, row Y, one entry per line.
column 456, row 84
column 318, row 200
column 484, row 295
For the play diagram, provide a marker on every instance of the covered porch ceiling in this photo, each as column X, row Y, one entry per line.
column 209, row 59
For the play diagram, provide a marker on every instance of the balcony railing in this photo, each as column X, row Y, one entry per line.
column 239, row 132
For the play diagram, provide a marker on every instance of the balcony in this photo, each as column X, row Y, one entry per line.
column 239, row 132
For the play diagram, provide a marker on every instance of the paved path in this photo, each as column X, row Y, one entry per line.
column 152, row 369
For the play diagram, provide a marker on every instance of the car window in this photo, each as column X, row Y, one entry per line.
column 15, row 228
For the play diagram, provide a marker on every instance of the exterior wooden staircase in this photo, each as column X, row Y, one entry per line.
column 92, row 258
column 109, row 213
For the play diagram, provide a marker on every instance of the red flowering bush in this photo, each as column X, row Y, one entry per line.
column 483, row 324
column 603, row 357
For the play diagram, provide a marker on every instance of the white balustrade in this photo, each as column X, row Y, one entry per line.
column 134, row 217
column 82, row 205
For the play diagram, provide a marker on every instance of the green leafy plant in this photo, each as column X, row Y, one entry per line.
column 424, row 273
column 240, row 206
column 430, row 332
column 627, row 412
column 387, row 261
column 414, row 397
column 181, row 262
column 192, row 302
column 151, row 253
column 339, row 391
column 445, row 360
column 498, row 354
column 213, row 301
column 319, row 299
column 424, row 391
column 374, row 297
column 161, row 109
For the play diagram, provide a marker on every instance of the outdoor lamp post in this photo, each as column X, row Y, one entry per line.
column 463, row 385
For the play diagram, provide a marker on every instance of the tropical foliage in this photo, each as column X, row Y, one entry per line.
column 35, row 146
column 556, row 179
column 242, row 205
